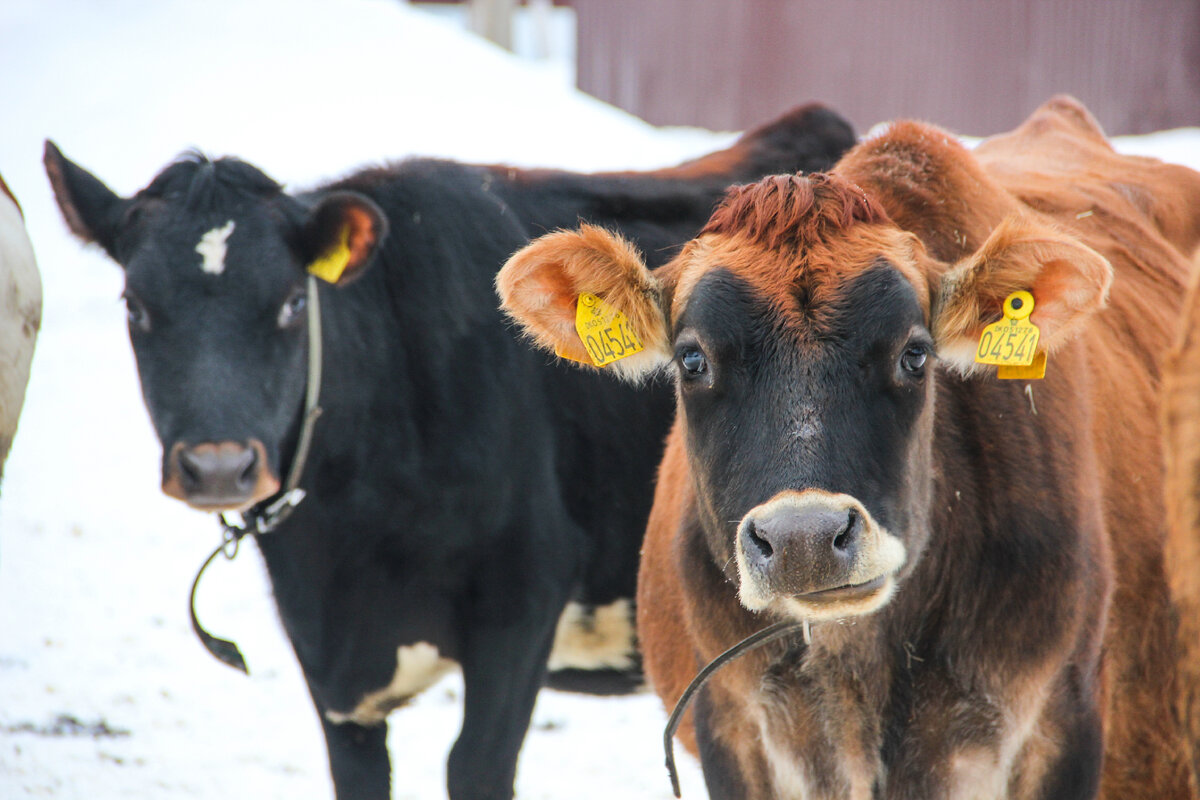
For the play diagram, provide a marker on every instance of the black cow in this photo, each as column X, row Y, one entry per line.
column 461, row 490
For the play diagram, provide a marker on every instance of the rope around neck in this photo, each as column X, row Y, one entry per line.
column 266, row 518
column 752, row 642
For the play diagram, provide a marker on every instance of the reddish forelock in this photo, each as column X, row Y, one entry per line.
column 792, row 210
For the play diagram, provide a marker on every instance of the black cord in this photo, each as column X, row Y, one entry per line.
column 223, row 650
column 752, row 642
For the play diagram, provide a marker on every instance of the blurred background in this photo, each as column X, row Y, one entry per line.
column 974, row 67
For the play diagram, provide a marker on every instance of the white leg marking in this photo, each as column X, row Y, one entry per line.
column 418, row 666
column 212, row 247
column 787, row 771
column 594, row 638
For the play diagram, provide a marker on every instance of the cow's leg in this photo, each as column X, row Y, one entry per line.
column 1075, row 775
column 358, row 760
column 722, row 777
column 502, row 669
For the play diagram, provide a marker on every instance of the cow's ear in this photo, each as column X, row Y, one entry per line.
column 92, row 211
column 1068, row 280
column 341, row 236
column 541, row 284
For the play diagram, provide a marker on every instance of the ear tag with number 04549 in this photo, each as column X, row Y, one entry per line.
column 1012, row 343
column 604, row 331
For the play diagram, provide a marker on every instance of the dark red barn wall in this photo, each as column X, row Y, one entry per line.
column 974, row 66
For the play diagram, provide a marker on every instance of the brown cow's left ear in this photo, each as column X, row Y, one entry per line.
column 341, row 235
column 540, row 286
column 1069, row 281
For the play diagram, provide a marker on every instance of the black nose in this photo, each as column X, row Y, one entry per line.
column 800, row 549
column 217, row 474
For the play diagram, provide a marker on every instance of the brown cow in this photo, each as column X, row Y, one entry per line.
column 980, row 560
column 20, row 315
column 1181, row 437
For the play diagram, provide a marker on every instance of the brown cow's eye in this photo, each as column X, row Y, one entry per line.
column 913, row 359
column 693, row 361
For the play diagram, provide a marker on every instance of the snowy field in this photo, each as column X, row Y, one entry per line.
column 104, row 692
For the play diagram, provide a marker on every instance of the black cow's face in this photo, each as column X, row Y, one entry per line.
column 216, row 257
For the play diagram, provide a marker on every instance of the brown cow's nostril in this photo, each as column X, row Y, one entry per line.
column 764, row 547
column 847, row 536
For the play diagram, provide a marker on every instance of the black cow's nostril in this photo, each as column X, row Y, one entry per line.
column 844, row 540
column 764, row 547
column 190, row 473
column 249, row 474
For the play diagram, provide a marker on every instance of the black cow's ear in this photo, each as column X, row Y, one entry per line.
column 341, row 236
column 92, row 211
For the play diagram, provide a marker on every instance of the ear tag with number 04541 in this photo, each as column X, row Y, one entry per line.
column 1012, row 343
column 604, row 331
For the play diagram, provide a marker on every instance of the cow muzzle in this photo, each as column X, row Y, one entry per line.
column 219, row 476
column 815, row 555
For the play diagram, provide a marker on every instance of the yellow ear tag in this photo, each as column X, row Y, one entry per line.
column 330, row 266
column 1012, row 343
column 558, row 351
column 604, row 331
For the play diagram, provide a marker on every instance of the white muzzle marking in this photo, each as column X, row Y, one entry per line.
column 879, row 556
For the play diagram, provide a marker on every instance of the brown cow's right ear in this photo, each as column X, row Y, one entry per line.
column 540, row 286
column 92, row 211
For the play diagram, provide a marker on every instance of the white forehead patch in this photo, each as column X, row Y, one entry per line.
column 212, row 248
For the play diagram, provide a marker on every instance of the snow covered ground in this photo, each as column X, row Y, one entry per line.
column 104, row 692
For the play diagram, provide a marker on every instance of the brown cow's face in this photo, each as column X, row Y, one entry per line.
column 804, row 329
column 805, row 384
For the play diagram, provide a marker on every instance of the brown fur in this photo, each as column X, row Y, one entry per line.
column 1053, row 209
column 1181, row 438
column 790, row 210
column 553, row 271
column 1073, row 281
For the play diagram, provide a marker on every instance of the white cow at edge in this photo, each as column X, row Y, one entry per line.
column 20, row 315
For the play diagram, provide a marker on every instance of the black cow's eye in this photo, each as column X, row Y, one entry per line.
column 292, row 308
column 693, row 361
column 913, row 359
column 136, row 313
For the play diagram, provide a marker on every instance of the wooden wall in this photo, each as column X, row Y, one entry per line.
column 974, row 66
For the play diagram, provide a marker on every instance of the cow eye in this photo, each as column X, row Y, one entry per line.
column 292, row 308
column 135, row 312
column 693, row 361
column 913, row 359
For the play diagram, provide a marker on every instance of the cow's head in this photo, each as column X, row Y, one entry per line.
column 216, row 255
column 804, row 330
